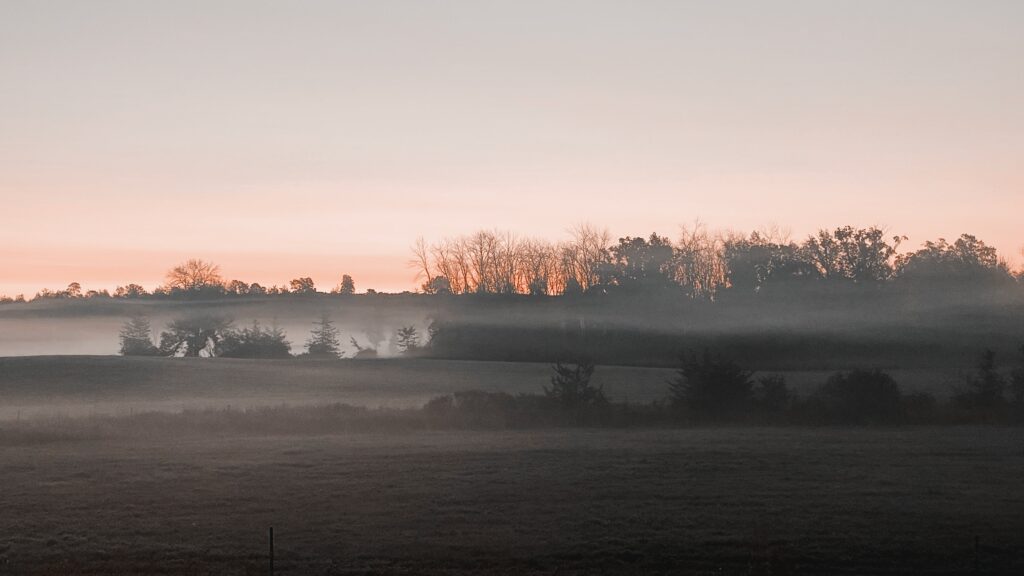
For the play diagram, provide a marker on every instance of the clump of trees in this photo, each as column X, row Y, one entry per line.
column 194, row 336
column 214, row 336
column 255, row 342
column 699, row 264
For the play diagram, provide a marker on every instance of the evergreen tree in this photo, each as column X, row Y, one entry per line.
column 323, row 340
column 408, row 340
column 571, row 387
column 136, row 337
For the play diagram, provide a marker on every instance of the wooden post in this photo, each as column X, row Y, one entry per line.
column 271, row 551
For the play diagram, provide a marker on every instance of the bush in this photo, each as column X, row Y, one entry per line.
column 711, row 386
column 859, row 397
column 255, row 342
column 473, row 409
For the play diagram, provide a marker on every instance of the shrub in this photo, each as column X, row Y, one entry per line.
column 710, row 385
column 860, row 397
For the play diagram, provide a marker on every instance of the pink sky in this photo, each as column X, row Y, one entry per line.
column 321, row 138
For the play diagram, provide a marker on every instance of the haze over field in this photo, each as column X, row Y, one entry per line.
column 468, row 287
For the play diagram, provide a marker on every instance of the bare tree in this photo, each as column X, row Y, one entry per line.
column 583, row 255
column 700, row 263
column 421, row 261
column 194, row 274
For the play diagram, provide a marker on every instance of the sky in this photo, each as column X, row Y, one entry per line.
column 286, row 139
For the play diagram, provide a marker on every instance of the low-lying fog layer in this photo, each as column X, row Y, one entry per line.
column 83, row 385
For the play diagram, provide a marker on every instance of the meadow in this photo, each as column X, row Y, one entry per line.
column 179, row 466
column 693, row 501
column 108, row 385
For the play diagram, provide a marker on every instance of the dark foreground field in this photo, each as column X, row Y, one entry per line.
column 714, row 501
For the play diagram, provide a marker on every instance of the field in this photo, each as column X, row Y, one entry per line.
column 718, row 501
column 169, row 492
column 89, row 385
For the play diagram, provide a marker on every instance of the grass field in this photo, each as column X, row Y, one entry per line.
column 109, row 487
column 714, row 501
column 83, row 385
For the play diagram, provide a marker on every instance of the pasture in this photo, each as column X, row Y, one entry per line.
column 699, row 501
column 110, row 385
column 138, row 466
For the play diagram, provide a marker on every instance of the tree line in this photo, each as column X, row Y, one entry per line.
column 699, row 264
column 216, row 336
column 194, row 278
column 709, row 388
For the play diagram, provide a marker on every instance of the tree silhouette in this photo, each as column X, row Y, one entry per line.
column 408, row 340
column 323, row 340
column 437, row 285
column 571, row 388
column 641, row 265
column 255, row 342
column 347, row 286
column 303, row 286
column 194, row 275
column 193, row 335
column 711, row 385
column 860, row 396
column 967, row 259
column 130, row 291
column 136, row 337
column 848, row 253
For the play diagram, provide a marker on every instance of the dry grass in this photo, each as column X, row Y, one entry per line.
column 715, row 501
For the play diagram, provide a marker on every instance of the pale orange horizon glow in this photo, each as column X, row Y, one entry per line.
column 322, row 138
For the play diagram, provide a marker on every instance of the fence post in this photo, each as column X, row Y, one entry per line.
column 271, row 551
